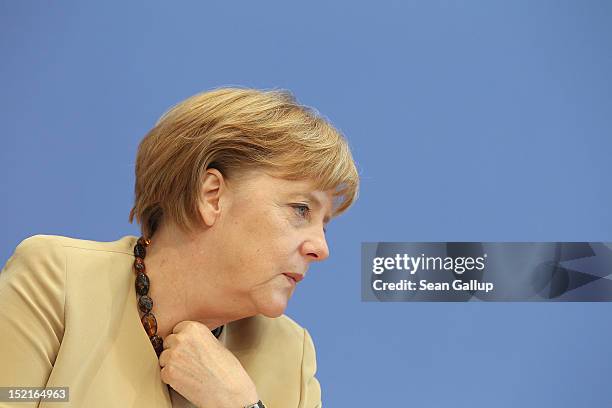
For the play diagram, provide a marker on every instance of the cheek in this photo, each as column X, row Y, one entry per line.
column 261, row 232
column 262, row 259
column 262, row 243
column 249, row 250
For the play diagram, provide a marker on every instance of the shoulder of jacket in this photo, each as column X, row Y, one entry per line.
column 49, row 242
column 38, row 244
column 38, row 261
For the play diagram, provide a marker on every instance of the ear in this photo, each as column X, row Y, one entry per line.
column 212, row 188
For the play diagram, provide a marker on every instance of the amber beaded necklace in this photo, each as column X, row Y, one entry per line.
column 145, row 303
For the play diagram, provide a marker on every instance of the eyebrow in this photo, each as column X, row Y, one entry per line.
column 314, row 199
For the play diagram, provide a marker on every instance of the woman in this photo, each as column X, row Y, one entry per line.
column 234, row 188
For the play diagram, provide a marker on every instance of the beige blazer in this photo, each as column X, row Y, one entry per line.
column 68, row 317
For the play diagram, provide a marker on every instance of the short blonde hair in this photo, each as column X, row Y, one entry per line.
column 234, row 130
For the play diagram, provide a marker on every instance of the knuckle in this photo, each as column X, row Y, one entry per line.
column 167, row 374
column 194, row 327
column 167, row 356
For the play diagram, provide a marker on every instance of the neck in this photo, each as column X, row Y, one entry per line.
column 182, row 284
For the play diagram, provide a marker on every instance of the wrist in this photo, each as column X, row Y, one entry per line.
column 252, row 400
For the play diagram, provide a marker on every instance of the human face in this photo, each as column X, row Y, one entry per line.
column 271, row 229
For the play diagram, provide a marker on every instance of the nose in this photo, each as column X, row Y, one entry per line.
column 315, row 246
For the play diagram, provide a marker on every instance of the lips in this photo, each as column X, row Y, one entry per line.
column 295, row 276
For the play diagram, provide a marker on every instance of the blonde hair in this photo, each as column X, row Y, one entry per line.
column 234, row 130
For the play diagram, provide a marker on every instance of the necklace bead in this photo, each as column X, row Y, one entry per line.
column 139, row 265
column 140, row 251
column 145, row 304
column 142, row 284
column 158, row 344
column 150, row 324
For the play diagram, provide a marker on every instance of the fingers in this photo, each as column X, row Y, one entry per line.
column 188, row 337
column 180, row 326
column 188, row 324
column 164, row 357
column 170, row 341
column 168, row 375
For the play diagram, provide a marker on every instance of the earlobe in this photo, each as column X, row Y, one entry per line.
column 212, row 187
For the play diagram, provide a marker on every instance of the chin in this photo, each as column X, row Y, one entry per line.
column 272, row 306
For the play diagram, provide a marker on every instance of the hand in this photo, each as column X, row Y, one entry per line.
column 202, row 370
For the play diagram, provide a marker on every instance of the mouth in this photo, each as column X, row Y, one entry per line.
column 296, row 277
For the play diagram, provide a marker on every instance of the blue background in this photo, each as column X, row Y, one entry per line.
column 482, row 120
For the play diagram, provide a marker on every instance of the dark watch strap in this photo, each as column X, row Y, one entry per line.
column 258, row 404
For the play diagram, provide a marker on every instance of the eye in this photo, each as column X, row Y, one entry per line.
column 302, row 209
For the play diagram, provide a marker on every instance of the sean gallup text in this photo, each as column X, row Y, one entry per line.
column 423, row 285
